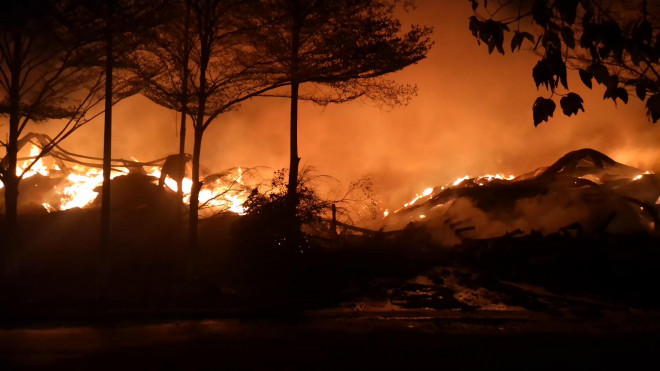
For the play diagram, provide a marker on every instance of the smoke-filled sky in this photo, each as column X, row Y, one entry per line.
column 472, row 116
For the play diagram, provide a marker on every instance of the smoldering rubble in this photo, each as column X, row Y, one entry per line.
column 584, row 193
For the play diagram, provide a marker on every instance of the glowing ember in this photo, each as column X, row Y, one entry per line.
column 48, row 207
column 640, row 176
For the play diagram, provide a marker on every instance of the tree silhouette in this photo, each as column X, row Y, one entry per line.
column 616, row 43
column 115, row 28
column 220, row 73
column 169, row 47
column 339, row 47
column 40, row 79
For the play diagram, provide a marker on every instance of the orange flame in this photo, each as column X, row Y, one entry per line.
column 76, row 188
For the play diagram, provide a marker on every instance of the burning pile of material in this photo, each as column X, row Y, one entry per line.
column 583, row 193
column 52, row 184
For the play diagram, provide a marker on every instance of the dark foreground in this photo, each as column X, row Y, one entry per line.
column 554, row 302
column 337, row 343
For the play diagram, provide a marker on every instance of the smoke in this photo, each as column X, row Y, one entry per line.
column 472, row 116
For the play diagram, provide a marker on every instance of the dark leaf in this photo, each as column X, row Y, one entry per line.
column 557, row 66
column 587, row 38
column 585, row 77
column 475, row 26
column 490, row 32
column 491, row 47
column 542, row 109
column 516, row 41
column 475, row 4
column 653, row 108
column 594, row 53
column 612, row 82
column 500, row 48
column 643, row 30
column 604, row 52
column 541, row 13
column 543, row 74
column 561, row 73
column 614, row 92
column 551, row 40
column 640, row 89
column 637, row 56
column 571, row 103
column 567, row 9
column 518, row 38
column 600, row 73
column 568, row 36
column 623, row 94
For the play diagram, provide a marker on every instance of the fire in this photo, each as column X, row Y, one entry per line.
column 428, row 192
column 640, row 176
column 76, row 188
column 425, row 193
column 460, row 180
column 37, row 168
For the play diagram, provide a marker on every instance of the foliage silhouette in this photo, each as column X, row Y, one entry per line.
column 219, row 74
column 114, row 29
column 616, row 43
column 341, row 48
column 41, row 78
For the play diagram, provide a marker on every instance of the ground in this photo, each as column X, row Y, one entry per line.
column 394, row 301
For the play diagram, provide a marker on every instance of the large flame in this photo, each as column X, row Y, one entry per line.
column 76, row 188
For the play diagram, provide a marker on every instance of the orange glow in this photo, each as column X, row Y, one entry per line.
column 78, row 183
column 428, row 192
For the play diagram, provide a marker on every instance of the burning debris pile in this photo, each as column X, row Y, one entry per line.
column 584, row 193
column 63, row 180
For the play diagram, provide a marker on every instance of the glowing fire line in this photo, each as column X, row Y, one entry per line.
column 429, row 192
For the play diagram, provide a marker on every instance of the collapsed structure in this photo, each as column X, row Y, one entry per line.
column 583, row 193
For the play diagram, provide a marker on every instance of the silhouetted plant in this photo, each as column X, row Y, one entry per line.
column 314, row 209
column 41, row 79
column 617, row 43
column 219, row 73
column 341, row 49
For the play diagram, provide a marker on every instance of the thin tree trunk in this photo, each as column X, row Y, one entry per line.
column 294, row 159
column 11, row 180
column 184, row 103
column 198, row 127
column 107, row 134
column 193, row 218
column 182, row 158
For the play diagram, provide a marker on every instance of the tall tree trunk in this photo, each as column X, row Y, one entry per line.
column 198, row 126
column 107, row 134
column 294, row 159
column 193, row 218
column 182, row 158
column 184, row 102
column 10, row 179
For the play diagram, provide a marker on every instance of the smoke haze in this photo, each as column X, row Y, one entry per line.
column 472, row 116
